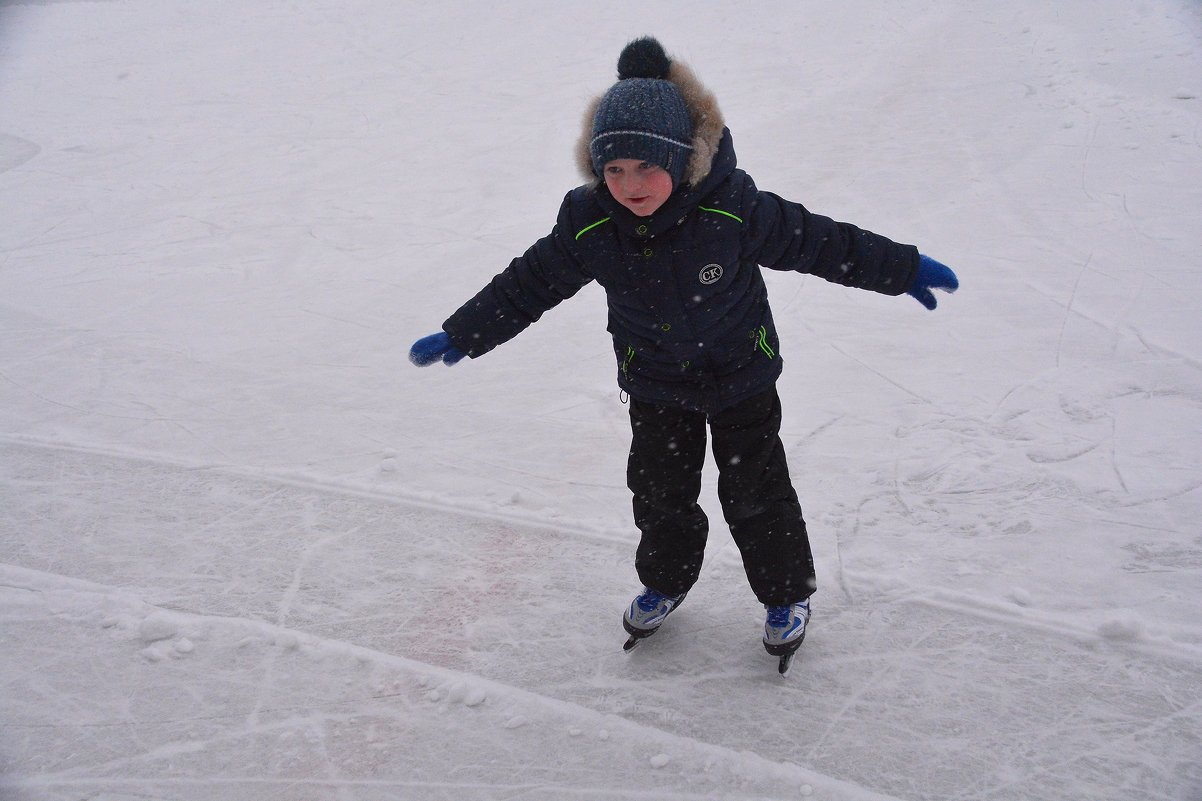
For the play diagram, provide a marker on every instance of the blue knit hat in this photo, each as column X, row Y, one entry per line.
column 643, row 116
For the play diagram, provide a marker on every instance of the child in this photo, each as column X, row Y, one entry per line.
column 677, row 235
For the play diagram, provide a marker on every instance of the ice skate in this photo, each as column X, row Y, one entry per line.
column 645, row 615
column 784, row 631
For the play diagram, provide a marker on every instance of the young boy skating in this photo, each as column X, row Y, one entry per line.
column 677, row 235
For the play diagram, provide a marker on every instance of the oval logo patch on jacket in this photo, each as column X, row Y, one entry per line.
column 710, row 274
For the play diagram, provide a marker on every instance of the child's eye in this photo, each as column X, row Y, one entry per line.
column 646, row 165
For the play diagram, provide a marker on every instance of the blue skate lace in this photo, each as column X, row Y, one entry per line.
column 778, row 616
column 649, row 600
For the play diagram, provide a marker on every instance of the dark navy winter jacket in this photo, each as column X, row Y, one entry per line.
column 688, row 308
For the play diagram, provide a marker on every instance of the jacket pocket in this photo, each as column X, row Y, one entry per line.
column 625, row 355
column 764, row 341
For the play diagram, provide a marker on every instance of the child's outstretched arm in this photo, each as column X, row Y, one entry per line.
column 931, row 275
column 546, row 274
column 435, row 348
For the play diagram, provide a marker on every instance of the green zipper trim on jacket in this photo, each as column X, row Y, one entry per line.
column 763, row 343
column 584, row 231
column 720, row 211
column 629, row 357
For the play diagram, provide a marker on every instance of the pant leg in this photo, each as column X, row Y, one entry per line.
column 759, row 502
column 667, row 452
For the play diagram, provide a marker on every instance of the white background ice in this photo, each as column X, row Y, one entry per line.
column 247, row 551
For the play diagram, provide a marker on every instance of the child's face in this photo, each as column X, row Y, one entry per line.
column 638, row 185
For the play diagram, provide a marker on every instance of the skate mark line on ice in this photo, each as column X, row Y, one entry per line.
column 975, row 607
column 324, row 486
column 524, row 698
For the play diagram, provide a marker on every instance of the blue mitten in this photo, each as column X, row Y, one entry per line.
column 932, row 275
column 436, row 347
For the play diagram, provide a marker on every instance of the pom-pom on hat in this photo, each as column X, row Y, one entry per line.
column 643, row 116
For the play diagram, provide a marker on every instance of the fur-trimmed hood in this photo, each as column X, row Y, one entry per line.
column 708, row 125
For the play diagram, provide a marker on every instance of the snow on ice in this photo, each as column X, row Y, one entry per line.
column 247, row 551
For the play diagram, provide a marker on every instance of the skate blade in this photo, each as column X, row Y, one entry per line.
column 636, row 637
column 786, row 653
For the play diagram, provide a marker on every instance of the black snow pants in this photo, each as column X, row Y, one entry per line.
column 667, row 453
